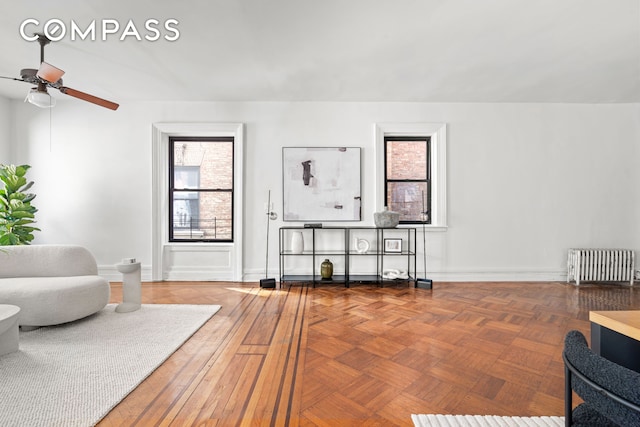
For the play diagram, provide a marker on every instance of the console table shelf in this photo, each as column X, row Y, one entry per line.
column 385, row 251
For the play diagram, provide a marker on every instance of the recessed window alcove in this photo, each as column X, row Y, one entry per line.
column 193, row 261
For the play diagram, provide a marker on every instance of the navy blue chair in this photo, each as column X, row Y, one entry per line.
column 611, row 393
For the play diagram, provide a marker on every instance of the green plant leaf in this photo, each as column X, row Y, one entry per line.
column 22, row 214
column 16, row 203
column 9, row 239
column 16, row 212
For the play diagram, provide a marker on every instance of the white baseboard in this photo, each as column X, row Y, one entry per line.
column 175, row 275
column 110, row 273
column 497, row 276
column 254, row 275
column 193, row 275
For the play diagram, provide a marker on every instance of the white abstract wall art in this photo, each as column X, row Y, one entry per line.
column 321, row 184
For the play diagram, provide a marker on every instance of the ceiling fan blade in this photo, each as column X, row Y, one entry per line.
column 49, row 73
column 89, row 98
column 13, row 78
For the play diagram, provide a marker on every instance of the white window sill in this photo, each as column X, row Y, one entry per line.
column 428, row 227
column 190, row 246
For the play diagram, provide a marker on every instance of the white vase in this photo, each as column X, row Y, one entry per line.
column 297, row 242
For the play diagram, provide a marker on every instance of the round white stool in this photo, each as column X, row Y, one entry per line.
column 8, row 328
column 131, row 287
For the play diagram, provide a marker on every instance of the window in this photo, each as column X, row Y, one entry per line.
column 172, row 256
column 408, row 177
column 417, row 163
column 201, row 189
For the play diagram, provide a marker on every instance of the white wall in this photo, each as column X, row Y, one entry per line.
column 636, row 195
column 526, row 181
column 5, row 131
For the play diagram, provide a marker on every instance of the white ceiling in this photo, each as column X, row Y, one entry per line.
column 576, row 51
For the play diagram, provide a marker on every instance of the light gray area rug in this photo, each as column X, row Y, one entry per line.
column 432, row 420
column 74, row 374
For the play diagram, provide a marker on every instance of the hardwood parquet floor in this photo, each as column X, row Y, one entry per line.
column 364, row 356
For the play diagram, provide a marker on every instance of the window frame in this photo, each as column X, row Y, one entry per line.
column 427, row 179
column 171, row 187
column 438, row 162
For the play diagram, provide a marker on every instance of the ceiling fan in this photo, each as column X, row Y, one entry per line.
column 49, row 76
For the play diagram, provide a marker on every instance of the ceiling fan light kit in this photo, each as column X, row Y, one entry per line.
column 48, row 75
column 40, row 99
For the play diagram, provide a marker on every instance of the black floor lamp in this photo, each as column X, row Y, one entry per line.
column 267, row 282
column 424, row 283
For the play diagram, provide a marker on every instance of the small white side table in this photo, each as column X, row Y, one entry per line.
column 8, row 328
column 131, row 287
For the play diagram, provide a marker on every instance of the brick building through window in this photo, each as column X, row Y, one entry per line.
column 407, row 180
column 201, row 189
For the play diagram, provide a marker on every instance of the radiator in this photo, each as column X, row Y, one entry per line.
column 601, row 265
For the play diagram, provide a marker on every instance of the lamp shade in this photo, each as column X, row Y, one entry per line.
column 49, row 73
column 40, row 98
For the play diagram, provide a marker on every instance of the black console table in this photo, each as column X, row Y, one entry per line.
column 359, row 254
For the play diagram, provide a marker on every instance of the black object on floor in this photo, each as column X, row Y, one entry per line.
column 424, row 283
column 268, row 283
